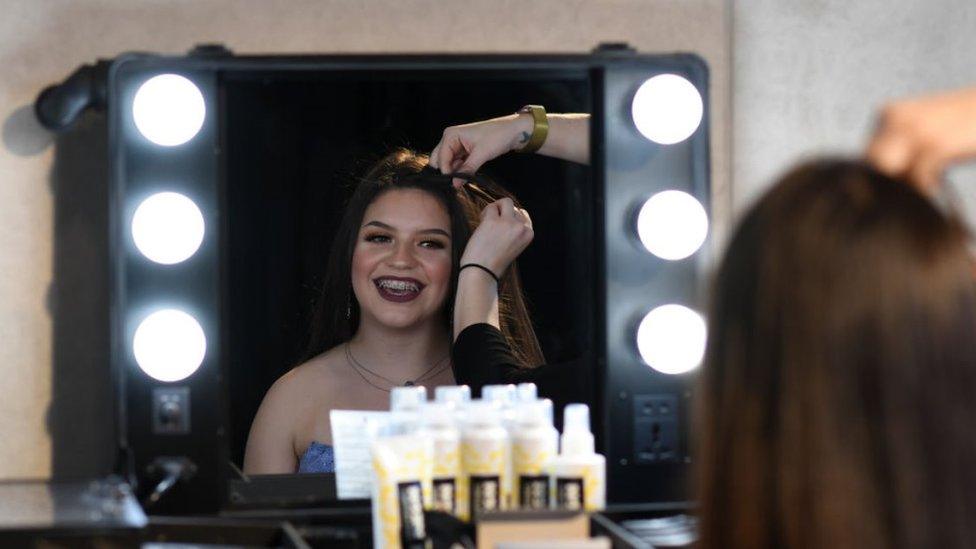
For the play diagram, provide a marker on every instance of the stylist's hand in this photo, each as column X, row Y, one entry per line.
column 918, row 139
column 504, row 232
column 467, row 147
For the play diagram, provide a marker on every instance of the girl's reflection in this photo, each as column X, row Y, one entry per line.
column 384, row 316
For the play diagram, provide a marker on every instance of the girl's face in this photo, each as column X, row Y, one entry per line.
column 401, row 264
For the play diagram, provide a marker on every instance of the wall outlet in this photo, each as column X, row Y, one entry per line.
column 656, row 424
column 171, row 410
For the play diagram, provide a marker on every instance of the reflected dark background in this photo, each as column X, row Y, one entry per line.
column 293, row 147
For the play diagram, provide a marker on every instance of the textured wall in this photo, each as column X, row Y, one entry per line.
column 42, row 41
column 809, row 75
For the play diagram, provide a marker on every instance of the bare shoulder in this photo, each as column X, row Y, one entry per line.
column 312, row 390
column 293, row 413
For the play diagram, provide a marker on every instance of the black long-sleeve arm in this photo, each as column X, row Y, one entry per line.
column 481, row 356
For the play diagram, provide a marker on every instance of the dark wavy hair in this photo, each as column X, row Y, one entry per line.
column 839, row 387
column 336, row 315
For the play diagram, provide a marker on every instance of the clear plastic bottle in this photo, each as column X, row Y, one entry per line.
column 535, row 444
column 456, row 397
column 405, row 405
column 440, row 428
column 485, row 461
column 526, row 392
column 453, row 395
column 504, row 397
column 578, row 473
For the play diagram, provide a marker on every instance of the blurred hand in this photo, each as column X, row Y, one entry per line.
column 467, row 147
column 918, row 139
column 504, row 232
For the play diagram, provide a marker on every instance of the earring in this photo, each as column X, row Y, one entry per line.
column 348, row 308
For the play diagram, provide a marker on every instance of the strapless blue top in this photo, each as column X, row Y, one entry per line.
column 318, row 458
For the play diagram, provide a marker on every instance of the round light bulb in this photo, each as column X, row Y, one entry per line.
column 168, row 109
column 169, row 345
column 671, row 339
column 667, row 109
column 167, row 228
column 672, row 225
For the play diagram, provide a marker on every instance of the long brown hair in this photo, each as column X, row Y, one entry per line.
column 336, row 315
column 839, row 389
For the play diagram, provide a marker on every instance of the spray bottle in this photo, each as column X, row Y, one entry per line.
column 579, row 473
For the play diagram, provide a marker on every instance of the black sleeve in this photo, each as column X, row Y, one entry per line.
column 481, row 356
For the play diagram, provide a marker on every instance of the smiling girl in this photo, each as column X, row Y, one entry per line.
column 393, row 299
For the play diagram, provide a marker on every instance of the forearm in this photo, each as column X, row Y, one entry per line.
column 476, row 300
column 569, row 138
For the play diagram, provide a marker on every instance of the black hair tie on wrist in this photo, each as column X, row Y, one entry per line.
column 483, row 268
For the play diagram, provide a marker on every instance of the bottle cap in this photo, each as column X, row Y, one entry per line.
column 526, row 392
column 535, row 412
column 502, row 394
column 482, row 412
column 455, row 395
column 547, row 406
column 407, row 398
column 577, row 438
column 437, row 414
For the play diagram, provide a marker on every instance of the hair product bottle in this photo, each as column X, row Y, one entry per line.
column 534, row 446
column 401, row 463
column 456, row 397
column 526, row 392
column 485, row 460
column 453, row 395
column 579, row 473
column 504, row 397
column 439, row 426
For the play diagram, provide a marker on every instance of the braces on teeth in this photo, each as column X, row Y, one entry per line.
column 399, row 285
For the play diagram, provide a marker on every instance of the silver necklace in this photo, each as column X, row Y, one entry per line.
column 431, row 372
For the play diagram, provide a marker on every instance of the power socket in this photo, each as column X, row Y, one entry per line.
column 656, row 422
column 171, row 410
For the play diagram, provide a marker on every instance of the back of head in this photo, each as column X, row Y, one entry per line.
column 840, row 379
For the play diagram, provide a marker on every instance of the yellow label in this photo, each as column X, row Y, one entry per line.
column 481, row 458
column 397, row 459
column 530, row 458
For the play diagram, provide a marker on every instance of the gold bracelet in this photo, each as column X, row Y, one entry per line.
column 540, row 128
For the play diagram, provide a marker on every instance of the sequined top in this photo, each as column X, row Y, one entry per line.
column 318, row 458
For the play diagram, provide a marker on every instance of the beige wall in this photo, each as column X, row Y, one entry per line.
column 42, row 41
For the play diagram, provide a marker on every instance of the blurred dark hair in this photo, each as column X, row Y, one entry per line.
column 839, row 389
column 405, row 169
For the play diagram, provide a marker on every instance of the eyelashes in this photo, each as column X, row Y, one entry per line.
column 379, row 238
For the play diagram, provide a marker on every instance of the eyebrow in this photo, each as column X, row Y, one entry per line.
column 382, row 225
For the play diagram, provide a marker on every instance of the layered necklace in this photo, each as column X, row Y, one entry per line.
column 432, row 372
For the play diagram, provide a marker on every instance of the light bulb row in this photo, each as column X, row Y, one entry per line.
column 168, row 228
column 667, row 109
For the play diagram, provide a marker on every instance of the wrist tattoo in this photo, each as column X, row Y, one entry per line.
column 525, row 137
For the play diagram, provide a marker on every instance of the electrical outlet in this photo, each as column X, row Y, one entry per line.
column 171, row 410
column 656, row 429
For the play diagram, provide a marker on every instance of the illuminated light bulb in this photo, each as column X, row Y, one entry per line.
column 672, row 225
column 667, row 109
column 167, row 228
column 671, row 339
column 169, row 345
column 168, row 109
